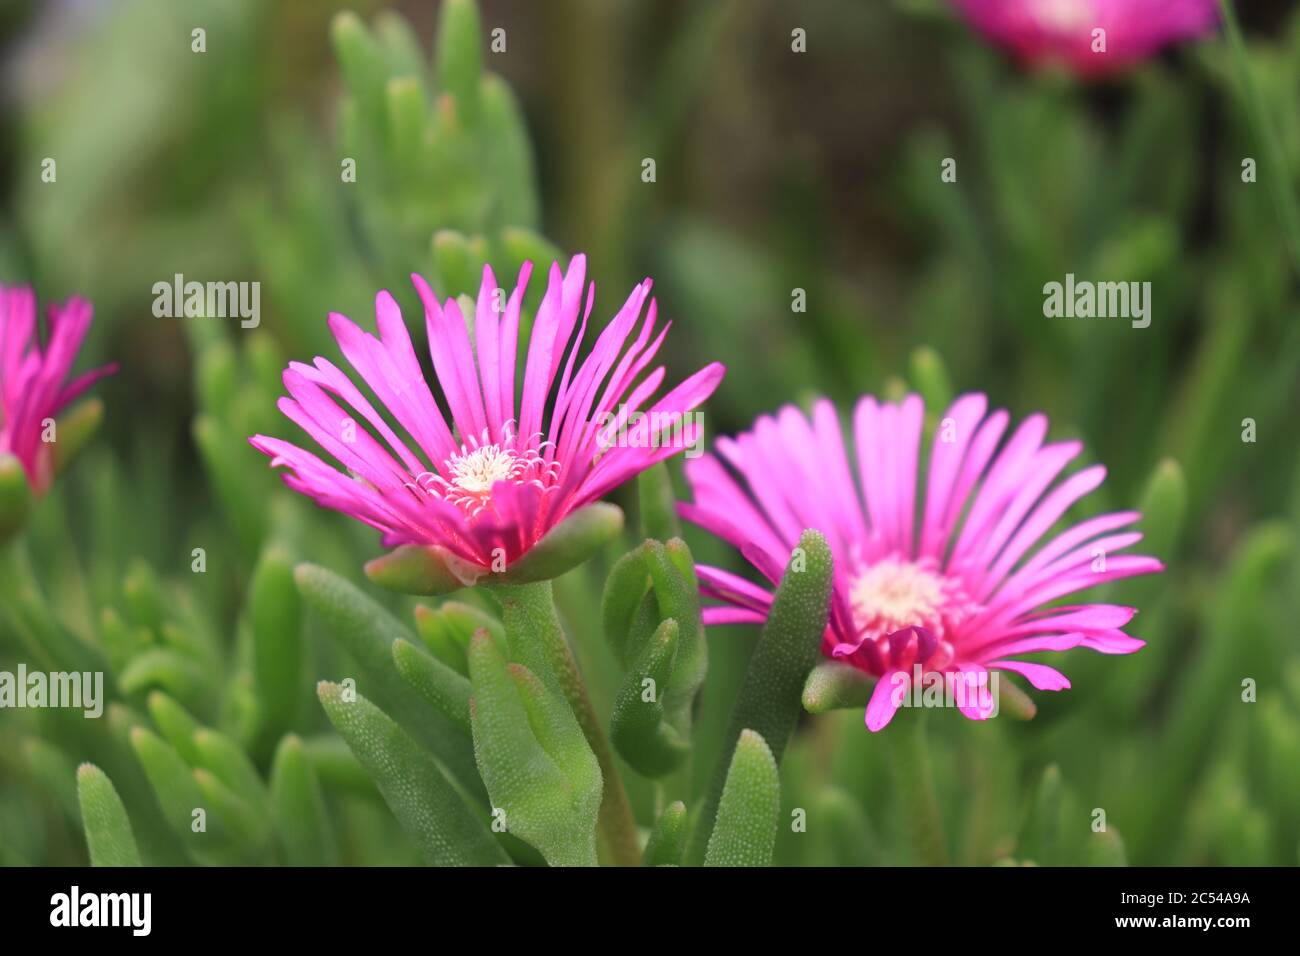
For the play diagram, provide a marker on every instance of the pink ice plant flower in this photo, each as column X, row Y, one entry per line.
column 949, row 571
column 1062, row 31
column 34, row 385
column 505, row 470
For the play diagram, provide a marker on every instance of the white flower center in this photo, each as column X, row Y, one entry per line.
column 892, row 594
column 477, row 472
column 1063, row 16
column 468, row 476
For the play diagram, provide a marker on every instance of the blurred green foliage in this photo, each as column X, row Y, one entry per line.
column 775, row 174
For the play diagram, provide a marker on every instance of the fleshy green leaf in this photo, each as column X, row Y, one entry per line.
column 421, row 569
column 543, row 778
column 364, row 68
column 176, row 724
column 367, row 631
column 162, row 667
column 275, row 618
column 1043, row 828
column 459, row 57
column 667, row 843
column 658, row 503
column 1013, row 701
column 510, row 154
column 621, row 605
column 249, row 826
column 434, row 681
column 228, row 762
column 242, row 496
column 108, row 829
column 834, row 685
column 1105, row 848
column 423, row 800
column 73, row 430
column 677, row 591
column 930, row 376
column 744, row 833
column 446, row 631
column 770, row 700
column 299, row 808
column 179, row 796
column 637, row 729
column 457, row 263
column 575, row 540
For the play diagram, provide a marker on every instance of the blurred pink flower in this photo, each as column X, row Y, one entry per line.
column 960, row 591
column 1062, row 31
column 507, row 475
column 33, row 381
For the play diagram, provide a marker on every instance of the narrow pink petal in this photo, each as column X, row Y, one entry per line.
column 1040, row 675
column 945, row 462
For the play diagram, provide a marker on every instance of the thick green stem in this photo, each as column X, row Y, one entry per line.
column 537, row 641
column 915, row 788
column 1279, row 175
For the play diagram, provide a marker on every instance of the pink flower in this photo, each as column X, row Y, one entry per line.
column 959, row 592
column 33, row 386
column 1062, row 31
column 502, row 475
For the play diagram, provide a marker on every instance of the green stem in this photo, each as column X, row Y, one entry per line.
column 1279, row 176
column 529, row 609
column 915, row 788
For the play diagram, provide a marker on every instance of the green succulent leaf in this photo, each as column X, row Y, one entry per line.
column 179, row 674
column 275, row 617
column 228, row 762
column 446, row 631
column 367, row 632
column 511, row 156
column 424, row 801
column 744, row 833
column 770, row 700
column 248, row 826
column 625, row 613
column 180, row 798
column 422, row 569
column 433, row 680
column 1013, row 701
column 638, row 731
column 572, row 542
column 677, row 591
column 540, row 772
column 459, row 55
column 658, row 503
column 178, row 726
column 108, row 829
column 930, row 376
column 457, row 263
column 301, row 819
column 1105, row 848
column 243, row 497
column 365, row 70
column 834, row 685
column 667, row 844
column 74, row 430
